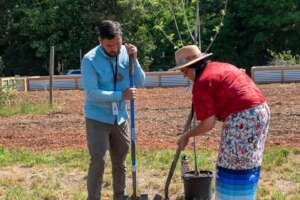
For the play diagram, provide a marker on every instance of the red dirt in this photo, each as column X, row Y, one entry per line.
column 160, row 116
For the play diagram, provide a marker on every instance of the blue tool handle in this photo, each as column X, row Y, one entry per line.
column 133, row 134
column 132, row 106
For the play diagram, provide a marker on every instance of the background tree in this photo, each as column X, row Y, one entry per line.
column 253, row 27
column 251, row 30
column 174, row 26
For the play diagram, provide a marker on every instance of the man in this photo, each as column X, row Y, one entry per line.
column 223, row 92
column 105, row 75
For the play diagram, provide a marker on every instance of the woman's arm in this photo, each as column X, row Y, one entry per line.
column 205, row 126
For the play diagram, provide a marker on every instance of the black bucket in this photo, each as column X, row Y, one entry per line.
column 198, row 187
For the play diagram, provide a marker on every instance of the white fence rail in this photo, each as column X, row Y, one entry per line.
column 260, row 74
column 14, row 82
column 276, row 74
column 41, row 82
column 153, row 79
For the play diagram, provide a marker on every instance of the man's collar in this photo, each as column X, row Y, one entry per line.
column 104, row 53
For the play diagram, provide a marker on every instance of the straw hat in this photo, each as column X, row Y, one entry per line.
column 187, row 56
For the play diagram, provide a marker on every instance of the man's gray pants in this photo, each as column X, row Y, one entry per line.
column 102, row 137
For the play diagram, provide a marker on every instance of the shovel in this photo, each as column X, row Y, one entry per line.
column 133, row 140
column 197, row 183
column 174, row 162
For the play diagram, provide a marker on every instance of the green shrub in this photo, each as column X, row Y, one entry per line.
column 7, row 93
column 284, row 58
column 12, row 103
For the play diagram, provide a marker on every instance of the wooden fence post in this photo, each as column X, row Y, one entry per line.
column 159, row 80
column 252, row 72
column 76, row 83
column 27, row 84
column 281, row 75
column 51, row 72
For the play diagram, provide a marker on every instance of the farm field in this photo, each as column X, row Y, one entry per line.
column 160, row 116
column 43, row 156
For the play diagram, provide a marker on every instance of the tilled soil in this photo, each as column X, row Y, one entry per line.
column 160, row 117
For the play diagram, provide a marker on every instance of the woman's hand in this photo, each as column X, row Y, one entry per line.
column 182, row 141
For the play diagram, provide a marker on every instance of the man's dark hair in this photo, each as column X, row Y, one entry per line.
column 108, row 29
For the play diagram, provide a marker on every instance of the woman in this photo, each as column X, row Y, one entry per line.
column 223, row 92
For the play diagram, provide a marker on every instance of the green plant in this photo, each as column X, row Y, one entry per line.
column 7, row 93
column 284, row 58
column 25, row 108
column 12, row 102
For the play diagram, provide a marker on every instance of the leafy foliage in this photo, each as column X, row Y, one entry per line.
column 7, row 94
column 250, row 28
column 158, row 27
column 284, row 58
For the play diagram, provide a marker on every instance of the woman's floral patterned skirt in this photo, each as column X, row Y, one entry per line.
column 241, row 152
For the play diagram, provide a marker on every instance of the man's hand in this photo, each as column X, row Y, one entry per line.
column 182, row 141
column 131, row 50
column 129, row 93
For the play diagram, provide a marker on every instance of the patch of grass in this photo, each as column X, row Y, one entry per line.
column 79, row 196
column 279, row 169
column 25, row 108
column 62, row 174
column 17, row 193
column 296, row 196
column 277, row 195
column 297, row 177
column 162, row 159
column 263, row 191
column 276, row 157
column 27, row 158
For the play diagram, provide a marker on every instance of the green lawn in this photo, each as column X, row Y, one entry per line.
column 25, row 108
column 61, row 175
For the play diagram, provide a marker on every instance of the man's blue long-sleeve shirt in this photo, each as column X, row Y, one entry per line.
column 98, row 83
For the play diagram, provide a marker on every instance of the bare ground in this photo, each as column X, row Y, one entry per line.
column 160, row 116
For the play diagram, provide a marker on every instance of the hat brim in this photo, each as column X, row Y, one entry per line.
column 190, row 63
